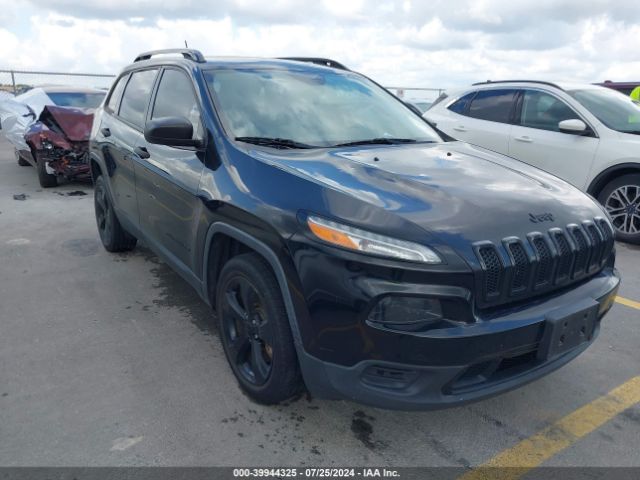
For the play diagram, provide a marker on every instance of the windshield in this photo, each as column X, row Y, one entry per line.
column 316, row 108
column 615, row 110
column 76, row 99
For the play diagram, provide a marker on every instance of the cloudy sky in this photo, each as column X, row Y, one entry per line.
column 438, row 43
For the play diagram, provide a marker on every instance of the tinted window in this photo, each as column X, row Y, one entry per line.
column 176, row 98
column 76, row 99
column 136, row 96
column 544, row 111
column 460, row 105
column 492, row 105
column 116, row 93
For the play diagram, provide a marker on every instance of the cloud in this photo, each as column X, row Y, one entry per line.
column 397, row 42
column 435, row 36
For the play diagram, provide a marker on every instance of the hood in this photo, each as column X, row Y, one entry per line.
column 460, row 193
column 73, row 123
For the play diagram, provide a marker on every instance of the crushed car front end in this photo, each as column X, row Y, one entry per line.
column 60, row 138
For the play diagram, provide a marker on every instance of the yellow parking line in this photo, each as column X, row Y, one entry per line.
column 514, row 462
column 628, row 303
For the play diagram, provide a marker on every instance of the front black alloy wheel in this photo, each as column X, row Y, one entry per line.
column 247, row 331
column 621, row 199
column 113, row 236
column 254, row 330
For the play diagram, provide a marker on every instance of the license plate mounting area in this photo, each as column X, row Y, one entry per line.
column 567, row 328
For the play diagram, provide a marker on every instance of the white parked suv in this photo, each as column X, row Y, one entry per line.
column 585, row 134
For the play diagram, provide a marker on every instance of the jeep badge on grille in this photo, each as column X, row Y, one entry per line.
column 543, row 217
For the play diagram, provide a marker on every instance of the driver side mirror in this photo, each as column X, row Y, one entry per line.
column 573, row 126
column 171, row 131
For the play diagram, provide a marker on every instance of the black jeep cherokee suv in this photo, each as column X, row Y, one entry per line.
column 341, row 242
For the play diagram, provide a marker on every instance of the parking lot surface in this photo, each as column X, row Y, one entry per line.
column 111, row 359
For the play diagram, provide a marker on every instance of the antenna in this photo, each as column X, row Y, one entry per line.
column 185, row 44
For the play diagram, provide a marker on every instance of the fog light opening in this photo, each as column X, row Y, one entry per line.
column 406, row 313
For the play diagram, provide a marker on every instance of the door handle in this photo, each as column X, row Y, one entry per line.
column 460, row 129
column 524, row 139
column 142, row 152
column 105, row 132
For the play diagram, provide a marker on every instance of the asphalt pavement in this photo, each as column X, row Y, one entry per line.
column 111, row 359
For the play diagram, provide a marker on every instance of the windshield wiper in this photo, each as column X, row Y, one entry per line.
column 378, row 141
column 274, row 142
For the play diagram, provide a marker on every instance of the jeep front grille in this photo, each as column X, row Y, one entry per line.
column 544, row 261
column 521, row 264
column 493, row 269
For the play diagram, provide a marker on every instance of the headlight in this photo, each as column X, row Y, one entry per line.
column 367, row 242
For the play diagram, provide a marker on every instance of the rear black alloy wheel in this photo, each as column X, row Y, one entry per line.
column 113, row 236
column 254, row 330
column 103, row 214
column 621, row 199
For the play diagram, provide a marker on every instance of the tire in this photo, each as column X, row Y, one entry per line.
column 47, row 180
column 114, row 238
column 255, row 332
column 21, row 161
column 621, row 198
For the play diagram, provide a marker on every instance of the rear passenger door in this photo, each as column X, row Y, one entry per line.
column 488, row 119
column 537, row 140
column 167, row 179
column 119, row 133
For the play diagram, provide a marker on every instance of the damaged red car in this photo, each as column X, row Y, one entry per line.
column 53, row 135
column 59, row 144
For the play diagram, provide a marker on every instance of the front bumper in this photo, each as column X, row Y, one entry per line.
column 72, row 168
column 67, row 169
column 500, row 352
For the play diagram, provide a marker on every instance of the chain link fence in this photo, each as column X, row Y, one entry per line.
column 407, row 93
column 15, row 82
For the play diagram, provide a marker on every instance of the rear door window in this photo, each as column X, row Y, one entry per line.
column 460, row 105
column 492, row 105
column 136, row 97
column 116, row 93
column 543, row 111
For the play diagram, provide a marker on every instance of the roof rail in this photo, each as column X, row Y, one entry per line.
column 542, row 82
column 327, row 62
column 188, row 53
